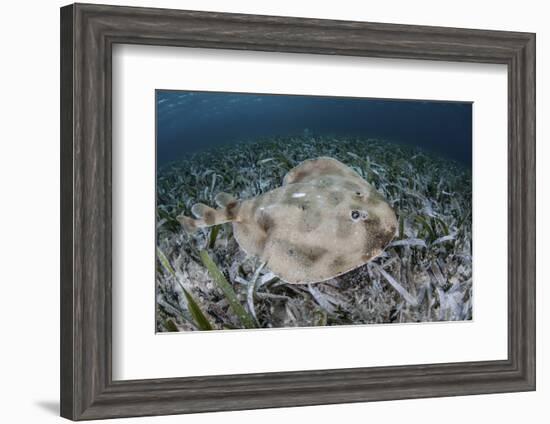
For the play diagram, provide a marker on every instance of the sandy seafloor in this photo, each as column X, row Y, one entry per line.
column 425, row 274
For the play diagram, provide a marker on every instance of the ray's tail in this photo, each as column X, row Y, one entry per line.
column 207, row 216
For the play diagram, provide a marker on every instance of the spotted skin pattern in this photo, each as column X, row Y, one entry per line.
column 325, row 220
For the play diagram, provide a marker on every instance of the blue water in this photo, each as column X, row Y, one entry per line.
column 190, row 121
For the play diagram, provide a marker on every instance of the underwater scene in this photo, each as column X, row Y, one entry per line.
column 299, row 211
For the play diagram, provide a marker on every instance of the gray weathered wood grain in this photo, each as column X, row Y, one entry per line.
column 88, row 33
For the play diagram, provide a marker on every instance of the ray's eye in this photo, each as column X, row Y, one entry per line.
column 359, row 215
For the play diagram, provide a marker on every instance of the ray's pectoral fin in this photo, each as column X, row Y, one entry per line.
column 207, row 216
column 314, row 168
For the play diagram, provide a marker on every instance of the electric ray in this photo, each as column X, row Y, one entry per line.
column 324, row 221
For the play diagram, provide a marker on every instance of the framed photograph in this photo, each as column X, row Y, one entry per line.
column 284, row 205
column 265, row 211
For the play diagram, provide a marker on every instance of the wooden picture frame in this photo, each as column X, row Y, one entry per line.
column 88, row 33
